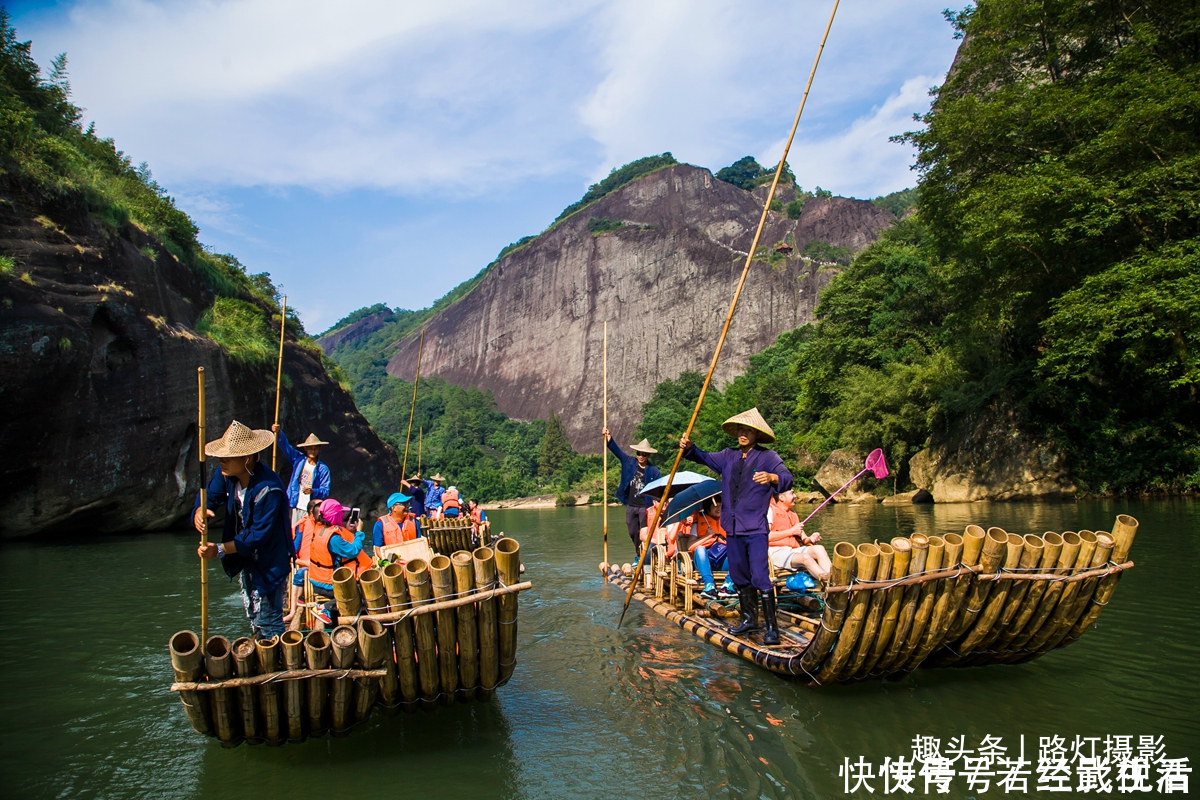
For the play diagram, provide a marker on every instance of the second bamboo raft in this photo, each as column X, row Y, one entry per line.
column 983, row 597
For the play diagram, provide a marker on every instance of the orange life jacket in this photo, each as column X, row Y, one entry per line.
column 307, row 527
column 322, row 562
column 709, row 530
column 477, row 516
column 397, row 532
column 450, row 499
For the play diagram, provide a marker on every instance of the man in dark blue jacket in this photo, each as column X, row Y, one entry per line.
column 636, row 472
column 750, row 474
column 255, row 542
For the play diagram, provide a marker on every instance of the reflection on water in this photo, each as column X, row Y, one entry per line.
column 647, row 710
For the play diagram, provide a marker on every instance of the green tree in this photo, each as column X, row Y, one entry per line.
column 555, row 450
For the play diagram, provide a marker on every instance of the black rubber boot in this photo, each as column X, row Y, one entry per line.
column 768, row 603
column 748, row 606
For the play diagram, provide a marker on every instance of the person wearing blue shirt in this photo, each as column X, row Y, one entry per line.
column 636, row 472
column 255, row 542
column 750, row 476
column 433, row 493
column 310, row 476
column 414, row 487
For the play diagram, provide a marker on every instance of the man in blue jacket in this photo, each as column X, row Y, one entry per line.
column 310, row 475
column 255, row 542
column 636, row 472
column 750, row 475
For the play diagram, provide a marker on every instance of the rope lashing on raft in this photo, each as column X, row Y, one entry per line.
column 859, row 585
column 411, row 610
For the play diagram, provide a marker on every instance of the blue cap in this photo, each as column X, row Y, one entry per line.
column 396, row 497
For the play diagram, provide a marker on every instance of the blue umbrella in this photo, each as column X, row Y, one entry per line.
column 683, row 480
column 690, row 500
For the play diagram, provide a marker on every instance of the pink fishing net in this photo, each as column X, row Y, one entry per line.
column 877, row 465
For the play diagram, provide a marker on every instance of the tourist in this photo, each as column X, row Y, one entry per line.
column 789, row 546
column 332, row 547
column 479, row 520
column 397, row 526
column 451, row 502
column 750, row 474
column 301, row 544
column 711, row 550
column 636, row 472
column 433, row 496
column 310, row 475
column 255, row 544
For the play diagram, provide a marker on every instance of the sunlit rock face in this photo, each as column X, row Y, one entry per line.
column 531, row 331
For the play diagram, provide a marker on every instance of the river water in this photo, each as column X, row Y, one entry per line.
column 592, row 711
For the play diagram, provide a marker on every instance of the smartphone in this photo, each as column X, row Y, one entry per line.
column 354, row 515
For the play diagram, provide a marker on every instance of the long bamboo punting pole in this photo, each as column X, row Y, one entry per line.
column 442, row 577
column 762, row 221
column 908, row 605
column 372, row 652
column 420, row 592
column 268, row 693
column 203, row 507
column 840, row 574
column 604, row 443
column 318, row 653
column 508, row 569
column 892, row 598
column 870, row 631
column 944, row 607
column 245, row 661
column 413, row 410
column 866, row 562
column 484, row 563
column 402, row 633
column 1052, row 544
column 279, row 371
column 341, row 697
column 468, row 636
column 218, row 663
column 292, row 644
column 187, row 661
column 1123, row 532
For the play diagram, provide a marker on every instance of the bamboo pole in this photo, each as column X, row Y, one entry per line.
column 866, row 562
column 1031, row 557
column 442, row 577
column 870, row 631
column 762, row 221
column 292, row 644
column 268, row 693
column 371, row 582
column 245, row 661
column 995, row 546
column 218, row 663
column 926, row 600
column 341, row 712
column 413, row 410
column 275, row 678
column 484, row 563
column 840, row 574
column 908, row 604
column 1087, row 548
column 203, row 508
column 508, row 568
column 1013, row 548
column 1123, row 532
column 945, row 608
column 318, row 653
column 1083, row 597
column 372, row 652
column 604, row 443
column 902, row 556
column 1067, row 557
column 345, row 592
column 279, row 373
column 397, row 593
column 420, row 592
column 468, row 636
column 187, row 661
column 1052, row 545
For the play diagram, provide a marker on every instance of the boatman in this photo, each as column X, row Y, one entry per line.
column 414, row 487
column 750, row 475
column 636, row 472
column 254, row 543
column 433, row 495
column 394, row 527
column 310, row 475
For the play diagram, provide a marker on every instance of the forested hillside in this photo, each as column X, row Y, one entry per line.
column 1051, row 276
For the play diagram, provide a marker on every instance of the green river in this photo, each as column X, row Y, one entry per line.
column 646, row 711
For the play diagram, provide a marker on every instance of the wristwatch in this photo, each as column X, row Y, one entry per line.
column 220, row 550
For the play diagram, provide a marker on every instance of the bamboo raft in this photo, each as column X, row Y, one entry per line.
column 411, row 636
column 451, row 534
column 985, row 597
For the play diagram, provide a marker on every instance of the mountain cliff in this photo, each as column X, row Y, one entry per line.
column 658, row 259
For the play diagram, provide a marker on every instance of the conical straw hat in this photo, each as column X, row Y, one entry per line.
column 437, row 477
column 312, row 441
column 643, row 447
column 751, row 419
column 238, row 440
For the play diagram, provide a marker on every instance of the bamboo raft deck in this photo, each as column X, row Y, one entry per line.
column 451, row 534
column 434, row 632
column 920, row 602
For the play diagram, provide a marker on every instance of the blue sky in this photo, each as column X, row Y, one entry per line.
column 384, row 151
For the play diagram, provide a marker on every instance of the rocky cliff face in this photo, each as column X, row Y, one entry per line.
column 357, row 330
column 531, row 331
column 98, row 354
